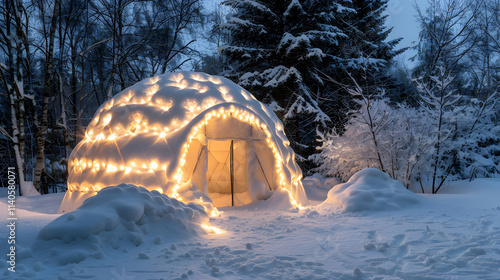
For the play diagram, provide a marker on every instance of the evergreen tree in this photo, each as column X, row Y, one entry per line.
column 300, row 55
column 368, row 54
column 280, row 51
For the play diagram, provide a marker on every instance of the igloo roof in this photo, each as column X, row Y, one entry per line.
column 141, row 135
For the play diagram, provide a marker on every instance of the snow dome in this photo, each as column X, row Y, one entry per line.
column 191, row 136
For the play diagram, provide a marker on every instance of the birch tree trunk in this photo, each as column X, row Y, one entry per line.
column 42, row 130
column 64, row 124
column 13, row 37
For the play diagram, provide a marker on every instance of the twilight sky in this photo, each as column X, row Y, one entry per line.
column 402, row 16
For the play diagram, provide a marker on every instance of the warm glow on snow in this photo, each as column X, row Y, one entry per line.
column 212, row 229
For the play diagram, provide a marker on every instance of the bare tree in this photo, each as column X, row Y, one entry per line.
column 482, row 67
column 445, row 36
column 168, row 25
column 47, row 88
column 14, row 41
column 437, row 95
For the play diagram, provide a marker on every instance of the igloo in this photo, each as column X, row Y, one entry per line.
column 192, row 136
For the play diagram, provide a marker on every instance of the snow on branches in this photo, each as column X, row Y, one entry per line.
column 448, row 137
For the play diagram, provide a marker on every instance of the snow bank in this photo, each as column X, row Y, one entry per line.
column 369, row 189
column 119, row 216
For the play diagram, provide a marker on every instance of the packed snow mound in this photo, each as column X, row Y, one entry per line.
column 370, row 190
column 119, row 216
column 155, row 132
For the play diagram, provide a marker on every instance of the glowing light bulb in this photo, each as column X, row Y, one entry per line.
column 183, row 84
column 111, row 168
column 106, row 120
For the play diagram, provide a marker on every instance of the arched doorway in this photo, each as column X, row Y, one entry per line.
column 233, row 166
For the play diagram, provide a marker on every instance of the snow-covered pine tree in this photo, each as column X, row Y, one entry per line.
column 368, row 54
column 280, row 51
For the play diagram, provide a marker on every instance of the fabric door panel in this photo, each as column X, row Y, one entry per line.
column 240, row 165
column 218, row 172
column 267, row 161
column 199, row 177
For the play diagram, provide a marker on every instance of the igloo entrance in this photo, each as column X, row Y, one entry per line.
column 231, row 162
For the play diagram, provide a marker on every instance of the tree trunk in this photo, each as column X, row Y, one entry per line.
column 14, row 37
column 42, row 131
column 16, row 113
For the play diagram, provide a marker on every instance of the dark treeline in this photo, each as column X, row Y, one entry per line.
column 62, row 59
column 316, row 63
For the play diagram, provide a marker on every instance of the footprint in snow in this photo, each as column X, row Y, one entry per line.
column 398, row 239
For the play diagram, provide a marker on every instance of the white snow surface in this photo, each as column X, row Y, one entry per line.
column 369, row 190
column 451, row 235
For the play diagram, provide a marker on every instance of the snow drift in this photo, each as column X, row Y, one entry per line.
column 116, row 217
column 369, row 190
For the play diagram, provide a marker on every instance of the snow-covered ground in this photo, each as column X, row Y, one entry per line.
column 451, row 235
